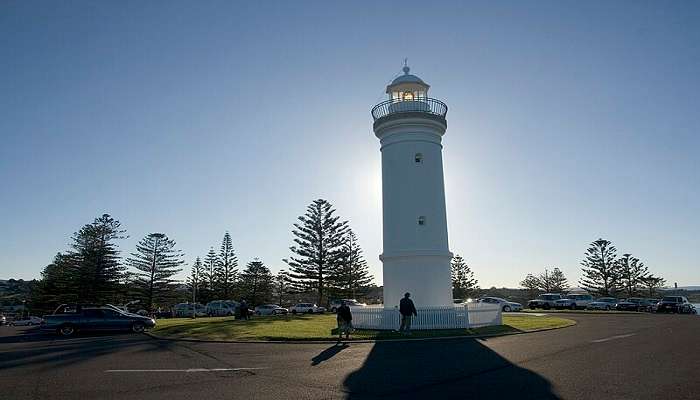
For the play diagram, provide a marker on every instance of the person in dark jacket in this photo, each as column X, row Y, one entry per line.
column 408, row 311
column 344, row 321
column 243, row 306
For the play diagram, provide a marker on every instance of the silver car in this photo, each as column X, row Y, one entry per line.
column 29, row 321
column 270, row 309
column 506, row 306
column 603, row 303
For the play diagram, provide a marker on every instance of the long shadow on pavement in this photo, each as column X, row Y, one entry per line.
column 48, row 351
column 328, row 353
column 459, row 369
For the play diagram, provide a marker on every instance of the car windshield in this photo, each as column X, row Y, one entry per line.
column 671, row 299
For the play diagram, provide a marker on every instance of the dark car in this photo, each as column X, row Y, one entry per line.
column 545, row 301
column 634, row 304
column 674, row 304
column 71, row 319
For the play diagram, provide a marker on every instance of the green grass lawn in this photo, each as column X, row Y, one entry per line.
column 323, row 327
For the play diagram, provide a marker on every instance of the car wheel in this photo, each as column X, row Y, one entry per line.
column 506, row 308
column 573, row 306
column 138, row 327
column 607, row 308
column 310, row 311
column 333, row 309
column 66, row 330
column 545, row 306
column 294, row 311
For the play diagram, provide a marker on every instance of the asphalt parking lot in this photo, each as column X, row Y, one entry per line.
column 622, row 356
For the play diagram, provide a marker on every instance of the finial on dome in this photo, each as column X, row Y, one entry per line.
column 405, row 66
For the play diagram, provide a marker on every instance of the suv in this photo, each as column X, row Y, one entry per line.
column 544, row 301
column 674, row 304
column 308, row 308
column 574, row 301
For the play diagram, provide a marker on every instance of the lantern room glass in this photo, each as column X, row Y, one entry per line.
column 408, row 95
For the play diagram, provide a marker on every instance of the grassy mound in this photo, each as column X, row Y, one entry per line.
column 323, row 327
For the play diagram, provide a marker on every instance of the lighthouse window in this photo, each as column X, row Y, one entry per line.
column 421, row 220
column 419, row 158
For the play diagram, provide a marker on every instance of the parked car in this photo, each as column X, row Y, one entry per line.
column 544, row 301
column 654, row 304
column 186, row 310
column 603, row 303
column 95, row 319
column 29, row 321
column 634, row 304
column 306, row 308
column 574, row 301
column 675, row 304
column 270, row 309
column 350, row 302
column 160, row 314
column 506, row 306
column 221, row 308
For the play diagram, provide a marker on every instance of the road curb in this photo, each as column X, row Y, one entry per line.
column 324, row 341
column 596, row 312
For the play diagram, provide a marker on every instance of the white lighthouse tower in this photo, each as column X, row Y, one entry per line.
column 416, row 255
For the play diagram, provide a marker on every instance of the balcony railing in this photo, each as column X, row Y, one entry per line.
column 421, row 104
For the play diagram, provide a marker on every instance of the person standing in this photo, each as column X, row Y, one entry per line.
column 244, row 310
column 408, row 311
column 344, row 321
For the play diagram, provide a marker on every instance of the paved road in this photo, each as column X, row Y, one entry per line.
column 603, row 357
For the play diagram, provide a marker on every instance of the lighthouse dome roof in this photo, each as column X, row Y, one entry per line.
column 407, row 82
column 407, row 78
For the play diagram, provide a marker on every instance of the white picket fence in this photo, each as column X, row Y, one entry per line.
column 470, row 315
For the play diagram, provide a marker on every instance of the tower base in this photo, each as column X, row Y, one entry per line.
column 424, row 274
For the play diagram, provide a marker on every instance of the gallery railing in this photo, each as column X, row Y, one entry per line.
column 422, row 104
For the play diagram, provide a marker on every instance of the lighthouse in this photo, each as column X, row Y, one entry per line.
column 416, row 256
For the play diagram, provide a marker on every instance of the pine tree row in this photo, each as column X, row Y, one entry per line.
column 603, row 273
column 327, row 261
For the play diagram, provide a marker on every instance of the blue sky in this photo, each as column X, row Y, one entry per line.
column 568, row 121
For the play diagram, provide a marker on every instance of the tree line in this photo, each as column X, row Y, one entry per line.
column 603, row 274
column 326, row 260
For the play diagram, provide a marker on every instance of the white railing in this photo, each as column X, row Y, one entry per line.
column 471, row 315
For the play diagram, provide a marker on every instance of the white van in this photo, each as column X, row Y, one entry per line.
column 222, row 308
column 185, row 310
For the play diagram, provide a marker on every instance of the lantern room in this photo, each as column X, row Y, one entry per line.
column 407, row 87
